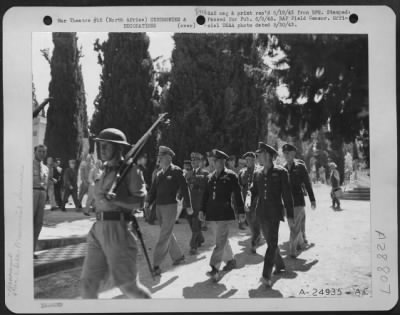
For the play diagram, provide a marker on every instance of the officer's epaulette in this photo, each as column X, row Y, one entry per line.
column 280, row 168
column 230, row 172
column 175, row 167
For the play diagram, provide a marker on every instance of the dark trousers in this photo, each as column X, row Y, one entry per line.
column 270, row 230
column 57, row 194
column 150, row 214
column 68, row 192
column 254, row 226
column 335, row 200
column 195, row 225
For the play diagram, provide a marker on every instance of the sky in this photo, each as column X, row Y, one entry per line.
column 161, row 44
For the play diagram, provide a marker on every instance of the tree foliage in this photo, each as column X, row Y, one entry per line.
column 66, row 115
column 321, row 83
column 212, row 100
column 127, row 85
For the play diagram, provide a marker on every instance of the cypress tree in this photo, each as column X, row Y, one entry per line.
column 66, row 115
column 212, row 100
column 126, row 88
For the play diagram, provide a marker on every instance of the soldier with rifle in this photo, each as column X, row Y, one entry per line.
column 111, row 248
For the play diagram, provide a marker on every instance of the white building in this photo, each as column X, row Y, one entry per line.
column 39, row 129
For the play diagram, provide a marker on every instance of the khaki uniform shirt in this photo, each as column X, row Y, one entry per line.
column 40, row 175
column 132, row 190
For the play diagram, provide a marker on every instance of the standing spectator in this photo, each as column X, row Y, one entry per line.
column 322, row 174
column 269, row 188
column 50, row 184
column 94, row 176
column 40, row 180
column 57, row 177
column 84, row 169
column 164, row 189
column 197, row 185
column 245, row 181
column 216, row 207
column 335, row 184
column 298, row 177
column 348, row 167
column 313, row 169
column 70, row 186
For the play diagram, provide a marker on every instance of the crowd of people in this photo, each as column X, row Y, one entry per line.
column 210, row 190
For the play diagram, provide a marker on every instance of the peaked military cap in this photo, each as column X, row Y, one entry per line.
column 332, row 164
column 288, row 147
column 187, row 162
column 162, row 150
column 249, row 154
column 218, row 154
column 196, row 155
column 266, row 148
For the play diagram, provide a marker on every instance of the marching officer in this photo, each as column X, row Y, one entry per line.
column 111, row 248
column 270, row 186
column 245, row 181
column 197, row 186
column 164, row 189
column 298, row 176
column 217, row 207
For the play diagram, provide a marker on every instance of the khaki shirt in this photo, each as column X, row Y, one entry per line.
column 132, row 190
column 40, row 175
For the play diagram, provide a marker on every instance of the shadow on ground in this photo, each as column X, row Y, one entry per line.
column 263, row 292
column 207, row 290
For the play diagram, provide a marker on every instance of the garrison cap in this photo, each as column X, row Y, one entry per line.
column 196, row 155
column 162, row 150
column 249, row 154
column 266, row 148
column 218, row 154
column 112, row 135
column 288, row 147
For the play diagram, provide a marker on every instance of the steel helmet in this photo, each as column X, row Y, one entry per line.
column 112, row 135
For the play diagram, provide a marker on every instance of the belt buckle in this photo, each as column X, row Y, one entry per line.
column 100, row 216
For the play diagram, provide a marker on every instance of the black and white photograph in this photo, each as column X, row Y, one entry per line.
column 191, row 159
column 281, row 120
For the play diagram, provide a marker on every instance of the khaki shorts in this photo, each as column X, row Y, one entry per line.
column 112, row 249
